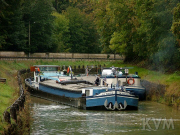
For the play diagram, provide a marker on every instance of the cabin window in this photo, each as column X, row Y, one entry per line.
column 87, row 92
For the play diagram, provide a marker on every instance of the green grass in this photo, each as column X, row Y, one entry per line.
column 6, row 93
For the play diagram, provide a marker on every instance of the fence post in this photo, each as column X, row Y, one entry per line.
column 13, row 113
column 23, row 100
column 16, row 106
column 7, row 117
column 19, row 102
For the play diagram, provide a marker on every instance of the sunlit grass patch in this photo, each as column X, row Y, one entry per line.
column 6, row 93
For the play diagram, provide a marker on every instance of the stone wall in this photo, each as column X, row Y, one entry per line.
column 11, row 54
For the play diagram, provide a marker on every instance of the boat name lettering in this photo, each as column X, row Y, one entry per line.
column 107, row 93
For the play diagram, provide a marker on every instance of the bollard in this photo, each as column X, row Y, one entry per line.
column 7, row 117
column 13, row 113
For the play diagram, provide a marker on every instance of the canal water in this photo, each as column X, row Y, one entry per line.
column 55, row 119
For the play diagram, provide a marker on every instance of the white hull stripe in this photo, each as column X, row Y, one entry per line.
column 128, row 97
column 99, row 97
column 109, row 96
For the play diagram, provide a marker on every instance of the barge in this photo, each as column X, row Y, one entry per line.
column 78, row 91
column 113, row 76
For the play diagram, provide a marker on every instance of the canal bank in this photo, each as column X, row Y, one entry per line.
column 16, row 118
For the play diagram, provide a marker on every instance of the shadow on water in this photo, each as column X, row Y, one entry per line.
column 151, row 118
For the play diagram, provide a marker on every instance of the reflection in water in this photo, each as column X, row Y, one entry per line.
column 53, row 119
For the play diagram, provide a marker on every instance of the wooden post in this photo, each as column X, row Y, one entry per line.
column 23, row 100
column 19, row 102
column 24, row 97
column 13, row 113
column 7, row 117
column 16, row 106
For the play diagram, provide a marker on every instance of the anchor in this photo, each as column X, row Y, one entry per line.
column 117, row 106
column 120, row 106
column 109, row 106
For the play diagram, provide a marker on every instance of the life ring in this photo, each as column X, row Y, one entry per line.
column 131, row 82
column 68, row 70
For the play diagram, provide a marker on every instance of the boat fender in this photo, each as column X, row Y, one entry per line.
column 60, row 80
column 131, row 81
column 68, row 70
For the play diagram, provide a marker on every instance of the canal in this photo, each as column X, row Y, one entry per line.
column 55, row 119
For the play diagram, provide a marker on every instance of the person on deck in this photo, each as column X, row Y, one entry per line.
column 97, row 81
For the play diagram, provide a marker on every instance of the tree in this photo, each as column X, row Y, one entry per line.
column 83, row 35
column 61, row 5
column 12, row 29
column 104, row 23
column 176, row 23
column 124, row 19
column 154, row 32
column 61, row 33
column 41, row 26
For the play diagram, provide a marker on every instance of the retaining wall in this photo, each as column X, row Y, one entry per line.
column 11, row 54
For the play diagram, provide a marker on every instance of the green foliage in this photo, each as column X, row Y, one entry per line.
column 116, row 43
column 83, row 35
column 137, row 29
column 104, row 23
column 12, row 29
column 61, row 5
column 61, row 32
column 41, row 22
column 176, row 24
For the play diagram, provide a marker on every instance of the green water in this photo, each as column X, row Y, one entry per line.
column 54, row 119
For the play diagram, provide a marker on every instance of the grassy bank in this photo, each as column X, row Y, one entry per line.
column 9, row 91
